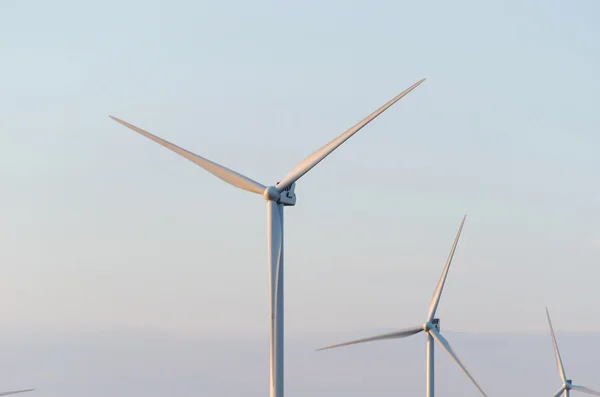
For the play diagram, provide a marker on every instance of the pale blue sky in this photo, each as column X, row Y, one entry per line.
column 102, row 229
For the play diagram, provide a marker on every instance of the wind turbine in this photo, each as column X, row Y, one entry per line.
column 278, row 196
column 6, row 393
column 431, row 327
column 567, row 385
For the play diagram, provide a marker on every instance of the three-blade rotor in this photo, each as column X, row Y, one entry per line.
column 428, row 327
column 243, row 182
column 278, row 196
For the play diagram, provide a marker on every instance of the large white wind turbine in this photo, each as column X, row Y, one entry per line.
column 277, row 196
column 431, row 327
column 567, row 385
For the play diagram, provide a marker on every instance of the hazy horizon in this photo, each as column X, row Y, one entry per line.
column 148, row 363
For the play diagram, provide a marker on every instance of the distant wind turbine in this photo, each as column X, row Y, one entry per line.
column 6, row 393
column 431, row 327
column 278, row 196
column 567, row 383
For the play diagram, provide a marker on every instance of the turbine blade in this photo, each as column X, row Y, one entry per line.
column 224, row 173
column 561, row 391
column 586, row 390
column 559, row 363
column 446, row 346
column 435, row 300
column 391, row 335
column 308, row 163
column 6, row 393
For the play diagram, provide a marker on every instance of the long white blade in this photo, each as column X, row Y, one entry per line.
column 559, row 363
column 561, row 391
column 446, row 346
column 323, row 152
column 586, row 390
column 391, row 335
column 6, row 393
column 438, row 290
column 224, row 173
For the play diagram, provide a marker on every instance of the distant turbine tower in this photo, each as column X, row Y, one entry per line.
column 6, row 393
column 278, row 196
column 431, row 327
column 567, row 383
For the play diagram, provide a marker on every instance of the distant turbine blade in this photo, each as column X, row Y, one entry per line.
column 438, row 290
column 392, row 335
column 227, row 175
column 308, row 163
column 559, row 363
column 560, row 392
column 585, row 390
column 446, row 346
column 6, row 393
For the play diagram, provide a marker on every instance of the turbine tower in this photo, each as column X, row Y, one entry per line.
column 567, row 385
column 431, row 327
column 278, row 196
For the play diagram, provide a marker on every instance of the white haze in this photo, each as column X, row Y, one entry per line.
column 151, row 365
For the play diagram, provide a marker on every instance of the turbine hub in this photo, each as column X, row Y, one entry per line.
column 287, row 197
column 433, row 324
column 271, row 194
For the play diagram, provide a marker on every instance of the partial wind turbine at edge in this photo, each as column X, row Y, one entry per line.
column 567, row 385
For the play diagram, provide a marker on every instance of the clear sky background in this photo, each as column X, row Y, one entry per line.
column 102, row 229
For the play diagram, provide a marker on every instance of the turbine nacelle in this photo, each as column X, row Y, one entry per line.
column 568, row 384
column 433, row 324
column 285, row 196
